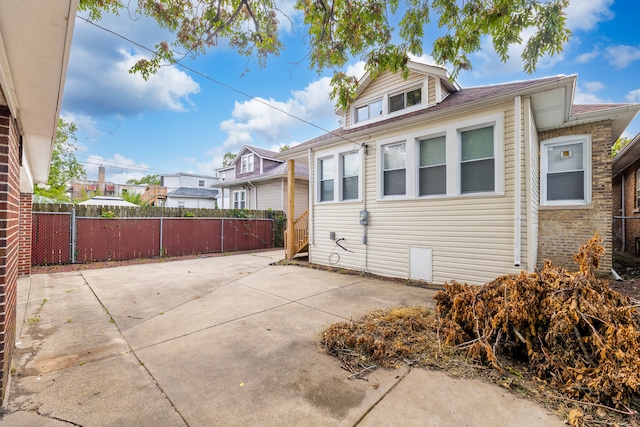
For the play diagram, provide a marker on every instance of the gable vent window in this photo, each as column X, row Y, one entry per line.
column 404, row 100
column 369, row 111
column 201, row 183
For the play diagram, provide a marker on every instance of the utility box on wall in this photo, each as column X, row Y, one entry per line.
column 420, row 264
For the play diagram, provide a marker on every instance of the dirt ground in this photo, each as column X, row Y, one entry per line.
column 628, row 267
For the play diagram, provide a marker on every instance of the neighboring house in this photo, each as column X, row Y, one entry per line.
column 261, row 182
column 83, row 188
column 35, row 41
column 185, row 190
column 430, row 181
column 223, row 174
column 626, row 198
column 108, row 201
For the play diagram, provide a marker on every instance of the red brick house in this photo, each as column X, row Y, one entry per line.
column 626, row 198
column 35, row 40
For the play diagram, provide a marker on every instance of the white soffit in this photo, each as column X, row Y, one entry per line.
column 36, row 39
column 550, row 108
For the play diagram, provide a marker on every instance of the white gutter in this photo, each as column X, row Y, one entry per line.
column 255, row 195
column 517, row 225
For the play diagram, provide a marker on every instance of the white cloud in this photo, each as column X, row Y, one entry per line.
column 262, row 120
column 97, row 86
column 620, row 56
column 587, row 57
column 118, row 168
column 593, row 86
column 586, row 15
column 585, row 93
column 633, row 96
column 85, row 124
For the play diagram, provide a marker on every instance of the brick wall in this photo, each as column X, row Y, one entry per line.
column 24, row 250
column 631, row 225
column 9, row 213
column 562, row 231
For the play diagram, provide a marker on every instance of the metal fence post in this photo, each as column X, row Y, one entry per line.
column 72, row 223
column 161, row 254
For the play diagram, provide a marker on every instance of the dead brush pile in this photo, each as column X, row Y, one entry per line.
column 385, row 338
column 576, row 334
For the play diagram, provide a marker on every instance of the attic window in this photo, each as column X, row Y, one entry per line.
column 201, row 183
column 405, row 99
column 247, row 163
column 369, row 111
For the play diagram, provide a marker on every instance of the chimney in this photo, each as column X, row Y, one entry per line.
column 101, row 179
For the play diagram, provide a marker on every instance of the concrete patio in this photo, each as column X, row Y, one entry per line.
column 229, row 341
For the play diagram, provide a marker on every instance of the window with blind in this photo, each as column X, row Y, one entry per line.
column 326, row 180
column 565, row 174
column 394, row 170
column 350, row 173
column 477, row 166
column 433, row 167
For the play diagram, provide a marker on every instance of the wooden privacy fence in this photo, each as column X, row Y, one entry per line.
column 62, row 238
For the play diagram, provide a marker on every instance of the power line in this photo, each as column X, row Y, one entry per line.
column 118, row 165
column 178, row 63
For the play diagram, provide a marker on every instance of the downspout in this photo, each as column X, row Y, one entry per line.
column 517, row 224
column 624, row 221
column 255, row 195
column 310, row 201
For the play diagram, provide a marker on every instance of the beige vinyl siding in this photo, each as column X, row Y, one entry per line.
column 431, row 98
column 472, row 237
column 270, row 195
column 389, row 82
column 301, row 197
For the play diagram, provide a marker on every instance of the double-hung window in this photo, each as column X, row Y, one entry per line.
column 369, row 111
column 477, row 166
column 566, row 171
column 405, row 99
column 239, row 199
column 637, row 188
column 433, row 166
column 246, row 163
column 326, row 179
column 350, row 171
column 394, row 165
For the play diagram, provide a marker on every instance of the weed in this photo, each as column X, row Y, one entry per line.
column 32, row 321
column 69, row 320
column 82, row 363
column 44, row 301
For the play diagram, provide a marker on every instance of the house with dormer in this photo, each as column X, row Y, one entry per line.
column 257, row 179
column 428, row 180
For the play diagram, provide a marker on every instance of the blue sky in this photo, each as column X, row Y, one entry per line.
column 178, row 121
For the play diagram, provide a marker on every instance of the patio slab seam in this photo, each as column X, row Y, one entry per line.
column 134, row 354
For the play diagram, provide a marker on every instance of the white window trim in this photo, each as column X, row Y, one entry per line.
column 563, row 140
column 250, row 163
column 453, row 157
column 409, row 189
column 385, row 104
column 244, row 198
column 336, row 154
